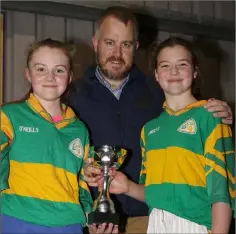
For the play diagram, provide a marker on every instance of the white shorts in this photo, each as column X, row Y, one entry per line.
column 161, row 221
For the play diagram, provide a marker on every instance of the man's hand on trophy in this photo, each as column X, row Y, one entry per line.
column 91, row 174
column 103, row 228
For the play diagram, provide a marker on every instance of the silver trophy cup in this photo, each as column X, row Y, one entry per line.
column 105, row 158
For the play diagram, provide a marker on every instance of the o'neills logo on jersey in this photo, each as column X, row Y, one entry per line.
column 28, row 129
column 154, row 130
column 76, row 148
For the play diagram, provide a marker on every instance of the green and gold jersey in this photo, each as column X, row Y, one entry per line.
column 42, row 165
column 188, row 163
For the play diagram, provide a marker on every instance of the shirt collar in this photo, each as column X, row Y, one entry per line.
column 101, row 79
column 185, row 109
column 33, row 102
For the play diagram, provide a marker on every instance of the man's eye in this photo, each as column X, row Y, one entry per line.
column 183, row 64
column 110, row 43
column 127, row 45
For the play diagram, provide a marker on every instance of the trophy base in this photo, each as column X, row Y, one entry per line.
column 99, row 218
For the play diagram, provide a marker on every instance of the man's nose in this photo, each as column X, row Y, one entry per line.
column 117, row 51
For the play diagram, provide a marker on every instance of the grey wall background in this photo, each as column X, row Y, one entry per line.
column 201, row 9
column 23, row 27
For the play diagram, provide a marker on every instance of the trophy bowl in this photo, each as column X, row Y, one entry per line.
column 105, row 158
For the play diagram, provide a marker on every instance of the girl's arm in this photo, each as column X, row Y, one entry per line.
column 221, row 218
column 220, row 173
column 85, row 197
column 6, row 133
column 6, row 137
column 136, row 191
column 120, row 184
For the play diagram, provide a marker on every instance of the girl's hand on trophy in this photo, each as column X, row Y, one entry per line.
column 103, row 228
column 119, row 182
column 91, row 174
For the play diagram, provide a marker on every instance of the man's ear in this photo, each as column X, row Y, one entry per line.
column 136, row 45
column 95, row 42
column 27, row 74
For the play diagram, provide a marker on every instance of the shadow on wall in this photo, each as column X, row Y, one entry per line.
column 142, row 55
column 210, row 55
column 83, row 58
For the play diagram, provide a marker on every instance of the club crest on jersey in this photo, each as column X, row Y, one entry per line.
column 76, row 148
column 188, row 127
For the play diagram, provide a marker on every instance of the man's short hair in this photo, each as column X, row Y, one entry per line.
column 122, row 14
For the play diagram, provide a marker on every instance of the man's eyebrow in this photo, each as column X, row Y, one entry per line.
column 131, row 42
column 61, row 65
column 126, row 41
column 108, row 39
column 186, row 60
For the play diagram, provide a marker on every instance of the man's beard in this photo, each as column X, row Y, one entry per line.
column 109, row 74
